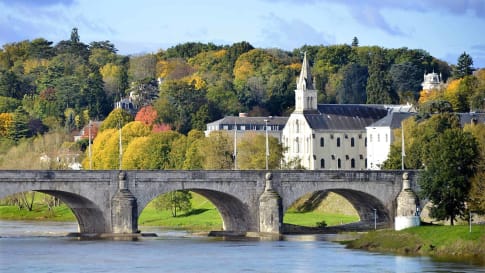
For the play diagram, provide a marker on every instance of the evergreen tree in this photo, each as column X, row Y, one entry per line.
column 379, row 87
column 355, row 42
column 464, row 66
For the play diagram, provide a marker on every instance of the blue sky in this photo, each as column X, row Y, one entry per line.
column 444, row 28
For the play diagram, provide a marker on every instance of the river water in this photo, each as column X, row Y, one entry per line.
column 42, row 247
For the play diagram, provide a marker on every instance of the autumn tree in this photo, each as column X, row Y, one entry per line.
column 116, row 119
column 251, row 152
column 147, row 115
column 217, row 149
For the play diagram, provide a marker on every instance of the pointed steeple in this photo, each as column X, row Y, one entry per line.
column 305, row 81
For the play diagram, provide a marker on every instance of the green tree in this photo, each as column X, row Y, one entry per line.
column 217, row 149
column 176, row 202
column 352, row 87
column 450, row 163
column 464, row 67
column 379, row 85
column 477, row 191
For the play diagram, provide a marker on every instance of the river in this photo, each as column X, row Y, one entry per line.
column 42, row 247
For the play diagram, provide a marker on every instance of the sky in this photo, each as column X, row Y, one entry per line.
column 443, row 28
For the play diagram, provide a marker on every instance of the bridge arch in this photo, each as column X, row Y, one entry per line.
column 364, row 204
column 234, row 213
column 89, row 216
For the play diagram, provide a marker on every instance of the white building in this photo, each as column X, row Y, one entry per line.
column 432, row 81
column 328, row 136
column 380, row 137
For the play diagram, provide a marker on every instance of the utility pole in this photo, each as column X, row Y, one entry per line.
column 267, row 142
column 89, row 147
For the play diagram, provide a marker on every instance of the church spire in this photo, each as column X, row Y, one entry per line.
column 305, row 81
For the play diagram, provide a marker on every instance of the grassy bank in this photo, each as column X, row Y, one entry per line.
column 447, row 242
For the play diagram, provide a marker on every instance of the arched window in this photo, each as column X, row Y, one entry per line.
column 322, row 142
column 352, row 163
column 322, row 163
column 297, row 126
column 297, row 145
column 338, row 141
column 352, row 142
column 339, row 163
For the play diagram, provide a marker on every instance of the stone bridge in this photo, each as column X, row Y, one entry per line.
column 248, row 201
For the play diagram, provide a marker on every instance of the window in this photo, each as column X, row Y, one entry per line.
column 297, row 146
column 361, row 156
column 322, row 163
column 365, row 142
column 331, row 136
column 339, row 163
column 297, row 126
column 387, row 140
column 352, row 163
column 370, row 139
column 378, row 137
column 322, row 142
column 347, row 157
column 243, row 128
column 352, row 142
column 338, row 141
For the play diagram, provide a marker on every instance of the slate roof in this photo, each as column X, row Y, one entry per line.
column 392, row 120
column 467, row 118
column 345, row 116
column 247, row 121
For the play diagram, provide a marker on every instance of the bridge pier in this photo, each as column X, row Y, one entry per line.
column 407, row 213
column 270, row 208
column 124, row 210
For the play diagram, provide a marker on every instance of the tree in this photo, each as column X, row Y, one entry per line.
column 352, row 87
column 450, row 163
column 217, row 149
column 252, row 152
column 379, row 86
column 118, row 117
column 406, row 80
column 147, row 115
column 477, row 191
column 175, row 201
column 355, row 42
column 464, row 66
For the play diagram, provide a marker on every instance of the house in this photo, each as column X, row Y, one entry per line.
column 243, row 124
column 380, row 137
column 329, row 136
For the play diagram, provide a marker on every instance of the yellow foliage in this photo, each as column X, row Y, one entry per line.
column 164, row 68
column 243, row 70
column 132, row 158
column 429, row 95
column 6, row 124
column 196, row 81
column 110, row 70
column 31, row 64
column 294, row 66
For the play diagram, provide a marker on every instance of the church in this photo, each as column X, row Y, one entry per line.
column 331, row 136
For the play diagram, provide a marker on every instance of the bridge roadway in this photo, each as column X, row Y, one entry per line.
column 110, row 201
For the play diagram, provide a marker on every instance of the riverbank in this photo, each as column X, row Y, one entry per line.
column 441, row 242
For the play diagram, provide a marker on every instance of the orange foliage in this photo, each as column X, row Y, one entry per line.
column 161, row 128
column 147, row 115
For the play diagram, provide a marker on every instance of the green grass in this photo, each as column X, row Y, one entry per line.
column 39, row 212
column 438, row 241
column 204, row 216
column 310, row 219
